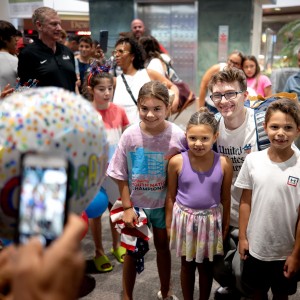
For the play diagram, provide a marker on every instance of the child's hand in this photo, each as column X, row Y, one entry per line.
column 291, row 266
column 244, row 248
column 130, row 218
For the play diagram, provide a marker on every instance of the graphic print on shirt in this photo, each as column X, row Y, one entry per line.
column 236, row 154
column 148, row 170
column 293, row 181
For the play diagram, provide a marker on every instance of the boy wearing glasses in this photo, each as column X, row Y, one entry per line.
column 237, row 138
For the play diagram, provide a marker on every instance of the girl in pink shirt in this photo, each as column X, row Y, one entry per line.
column 99, row 89
column 260, row 83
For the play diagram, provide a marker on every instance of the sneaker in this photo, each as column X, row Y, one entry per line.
column 171, row 297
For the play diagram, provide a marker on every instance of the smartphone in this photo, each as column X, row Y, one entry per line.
column 103, row 40
column 43, row 199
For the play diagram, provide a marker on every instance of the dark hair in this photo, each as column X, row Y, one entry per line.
column 229, row 75
column 19, row 33
column 150, row 46
column 96, row 43
column 257, row 67
column 203, row 117
column 86, row 39
column 135, row 49
column 156, row 90
column 287, row 106
column 91, row 81
column 238, row 53
column 7, row 31
column 75, row 38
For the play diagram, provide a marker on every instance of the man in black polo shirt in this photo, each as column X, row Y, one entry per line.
column 46, row 60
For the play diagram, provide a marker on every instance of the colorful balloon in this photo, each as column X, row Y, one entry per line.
column 56, row 120
column 98, row 205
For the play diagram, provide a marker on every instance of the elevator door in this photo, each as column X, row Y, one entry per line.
column 175, row 27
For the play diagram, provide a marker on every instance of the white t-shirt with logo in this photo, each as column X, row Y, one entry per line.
column 237, row 144
column 274, row 205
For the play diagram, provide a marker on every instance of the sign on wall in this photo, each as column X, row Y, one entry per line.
column 223, row 43
column 23, row 8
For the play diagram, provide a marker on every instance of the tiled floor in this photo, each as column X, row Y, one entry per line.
column 108, row 285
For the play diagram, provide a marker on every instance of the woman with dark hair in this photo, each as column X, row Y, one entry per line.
column 129, row 57
column 8, row 60
column 260, row 83
column 154, row 58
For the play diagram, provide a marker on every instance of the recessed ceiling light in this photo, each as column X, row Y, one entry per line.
column 277, row 9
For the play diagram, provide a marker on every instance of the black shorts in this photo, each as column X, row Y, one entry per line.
column 263, row 275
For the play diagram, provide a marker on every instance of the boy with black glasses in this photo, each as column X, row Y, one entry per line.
column 237, row 138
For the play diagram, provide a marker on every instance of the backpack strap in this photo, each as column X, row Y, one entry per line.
column 128, row 89
column 261, row 136
column 260, row 105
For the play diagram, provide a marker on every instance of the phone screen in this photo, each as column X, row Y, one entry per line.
column 103, row 40
column 43, row 196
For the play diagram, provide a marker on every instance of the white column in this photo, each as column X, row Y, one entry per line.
column 4, row 10
column 5, row 15
column 257, row 27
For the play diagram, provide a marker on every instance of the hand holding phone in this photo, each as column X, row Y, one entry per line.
column 43, row 200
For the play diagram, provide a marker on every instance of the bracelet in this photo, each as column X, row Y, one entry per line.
column 125, row 208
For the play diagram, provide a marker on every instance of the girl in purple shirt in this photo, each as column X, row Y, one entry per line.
column 199, row 182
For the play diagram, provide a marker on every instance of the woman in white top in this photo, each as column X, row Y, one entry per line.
column 129, row 56
column 154, row 60
column 8, row 60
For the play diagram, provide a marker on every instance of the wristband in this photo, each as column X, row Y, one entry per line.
column 126, row 208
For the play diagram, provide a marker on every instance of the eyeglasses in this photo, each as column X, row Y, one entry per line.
column 120, row 52
column 217, row 97
column 234, row 63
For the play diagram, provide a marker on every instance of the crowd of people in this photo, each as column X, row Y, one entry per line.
column 205, row 191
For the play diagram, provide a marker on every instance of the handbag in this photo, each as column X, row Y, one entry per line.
column 186, row 96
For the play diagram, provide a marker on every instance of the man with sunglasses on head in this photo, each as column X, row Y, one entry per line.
column 237, row 138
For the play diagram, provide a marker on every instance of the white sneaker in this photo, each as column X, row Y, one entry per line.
column 171, row 297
